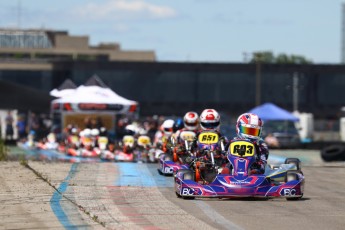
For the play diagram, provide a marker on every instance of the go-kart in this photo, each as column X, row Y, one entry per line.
column 142, row 149
column 168, row 164
column 127, row 153
column 287, row 181
column 104, row 149
column 172, row 160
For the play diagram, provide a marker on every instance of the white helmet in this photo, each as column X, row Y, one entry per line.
column 94, row 132
column 87, row 132
column 249, row 126
column 191, row 120
column 209, row 119
column 51, row 138
column 167, row 126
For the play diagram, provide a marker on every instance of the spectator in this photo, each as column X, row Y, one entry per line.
column 21, row 128
column 9, row 126
column 87, row 123
column 34, row 125
column 272, row 141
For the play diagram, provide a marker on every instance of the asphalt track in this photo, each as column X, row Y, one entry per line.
column 134, row 196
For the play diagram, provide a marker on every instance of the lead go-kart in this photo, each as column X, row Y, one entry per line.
column 286, row 181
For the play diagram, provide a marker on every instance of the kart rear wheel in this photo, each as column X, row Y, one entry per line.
column 294, row 161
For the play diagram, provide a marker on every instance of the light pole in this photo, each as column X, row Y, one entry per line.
column 295, row 91
column 258, row 79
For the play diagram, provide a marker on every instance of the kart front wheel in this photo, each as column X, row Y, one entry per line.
column 178, row 195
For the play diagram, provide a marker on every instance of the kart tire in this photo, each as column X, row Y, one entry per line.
column 168, row 157
column 159, row 171
column 178, row 195
column 290, row 176
column 294, row 161
column 188, row 197
column 333, row 153
column 187, row 174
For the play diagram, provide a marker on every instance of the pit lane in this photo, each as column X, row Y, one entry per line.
column 134, row 196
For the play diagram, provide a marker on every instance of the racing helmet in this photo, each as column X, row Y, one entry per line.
column 128, row 141
column 86, row 132
column 191, row 120
column 178, row 124
column 74, row 131
column 249, row 126
column 131, row 130
column 168, row 126
column 51, row 138
column 94, row 132
column 209, row 119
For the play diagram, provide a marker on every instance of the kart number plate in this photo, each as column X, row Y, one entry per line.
column 103, row 140
column 242, row 149
column 144, row 140
column 187, row 136
column 208, row 138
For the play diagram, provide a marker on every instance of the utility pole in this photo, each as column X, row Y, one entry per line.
column 258, row 79
column 295, row 91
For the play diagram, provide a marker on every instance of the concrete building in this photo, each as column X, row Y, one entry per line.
column 35, row 44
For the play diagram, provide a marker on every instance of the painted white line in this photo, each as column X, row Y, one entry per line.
column 215, row 216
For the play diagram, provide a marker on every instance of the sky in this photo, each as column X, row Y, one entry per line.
column 192, row 30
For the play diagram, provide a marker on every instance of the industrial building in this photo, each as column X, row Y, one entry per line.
column 172, row 87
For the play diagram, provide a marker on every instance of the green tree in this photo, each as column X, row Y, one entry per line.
column 270, row 58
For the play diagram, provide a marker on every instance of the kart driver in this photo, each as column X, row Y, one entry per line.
column 249, row 127
column 187, row 133
column 191, row 124
column 210, row 122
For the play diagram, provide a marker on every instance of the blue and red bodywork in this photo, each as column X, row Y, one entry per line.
column 168, row 167
column 240, row 183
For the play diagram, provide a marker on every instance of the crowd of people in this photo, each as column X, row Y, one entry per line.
column 158, row 129
column 17, row 126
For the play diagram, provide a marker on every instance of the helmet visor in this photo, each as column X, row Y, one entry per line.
column 191, row 123
column 211, row 125
column 250, row 131
column 168, row 130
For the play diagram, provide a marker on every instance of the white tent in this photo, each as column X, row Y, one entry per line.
column 66, row 88
column 94, row 98
column 61, row 93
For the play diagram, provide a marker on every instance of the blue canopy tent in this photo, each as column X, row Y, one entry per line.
column 271, row 112
column 280, row 123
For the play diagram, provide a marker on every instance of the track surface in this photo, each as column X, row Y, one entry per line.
column 134, row 196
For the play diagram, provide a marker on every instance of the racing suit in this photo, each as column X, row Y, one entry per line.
column 261, row 158
column 221, row 154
